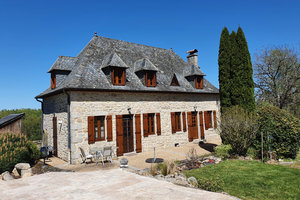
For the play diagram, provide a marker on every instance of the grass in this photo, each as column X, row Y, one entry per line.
column 253, row 180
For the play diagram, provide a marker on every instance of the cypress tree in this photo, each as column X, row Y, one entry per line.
column 244, row 80
column 224, row 69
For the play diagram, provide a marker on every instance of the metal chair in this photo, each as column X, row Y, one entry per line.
column 106, row 153
column 85, row 157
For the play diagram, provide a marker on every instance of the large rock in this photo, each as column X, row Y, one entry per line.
column 6, row 176
column 193, row 181
column 26, row 173
column 21, row 166
column 24, row 169
column 15, row 172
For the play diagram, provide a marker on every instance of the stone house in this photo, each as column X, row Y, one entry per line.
column 126, row 95
column 12, row 123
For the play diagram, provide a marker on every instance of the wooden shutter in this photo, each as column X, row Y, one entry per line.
column 91, row 130
column 201, row 82
column 184, row 121
column 53, row 80
column 109, row 128
column 215, row 119
column 173, row 122
column 145, row 124
column 158, row 124
column 190, row 134
column 206, row 120
column 138, row 135
column 123, row 79
column 201, row 125
column 154, row 79
column 119, row 128
column 112, row 72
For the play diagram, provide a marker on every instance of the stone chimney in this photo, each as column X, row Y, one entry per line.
column 192, row 58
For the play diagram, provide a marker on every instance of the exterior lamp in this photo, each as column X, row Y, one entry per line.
column 129, row 110
column 195, row 108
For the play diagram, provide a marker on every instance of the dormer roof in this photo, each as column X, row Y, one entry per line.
column 113, row 60
column 144, row 64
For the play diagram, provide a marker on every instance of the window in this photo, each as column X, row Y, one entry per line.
column 96, row 128
column 176, row 121
column 118, row 76
column 53, row 80
column 199, row 82
column 150, row 78
column 208, row 119
column 174, row 81
column 151, row 124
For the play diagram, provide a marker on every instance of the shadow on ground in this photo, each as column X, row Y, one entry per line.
column 208, row 146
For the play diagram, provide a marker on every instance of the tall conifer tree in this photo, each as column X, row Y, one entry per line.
column 224, row 69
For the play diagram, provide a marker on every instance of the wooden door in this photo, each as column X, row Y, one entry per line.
column 138, row 134
column 201, row 125
column 119, row 128
column 54, row 120
column 128, row 145
column 192, row 126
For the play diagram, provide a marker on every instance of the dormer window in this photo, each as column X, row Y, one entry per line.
column 199, row 82
column 174, row 81
column 53, row 80
column 150, row 78
column 118, row 76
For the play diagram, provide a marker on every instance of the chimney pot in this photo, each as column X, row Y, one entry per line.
column 192, row 58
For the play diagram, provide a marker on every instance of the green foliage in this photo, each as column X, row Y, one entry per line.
column 283, row 128
column 235, row 71
column 224, row 69
column 16, row 149
column 238, row 128
column 31, row 124
column 223, row 151
column 214, row 184
column 252, row 152
column 252, row 179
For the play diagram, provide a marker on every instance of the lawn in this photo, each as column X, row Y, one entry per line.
column 253, row 179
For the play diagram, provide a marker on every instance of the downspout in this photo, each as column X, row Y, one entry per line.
column 42, row 119
column 69, row 124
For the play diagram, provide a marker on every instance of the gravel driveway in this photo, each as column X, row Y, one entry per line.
column 102, row 184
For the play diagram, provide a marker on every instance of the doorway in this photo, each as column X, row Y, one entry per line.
column 54, row 120
column 193, row 126
column 128, row 142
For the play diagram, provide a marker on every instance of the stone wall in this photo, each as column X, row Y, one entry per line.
column 84, row 104
column 57, row 106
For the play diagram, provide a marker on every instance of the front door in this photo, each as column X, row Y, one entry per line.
column 192, row 126
column 128, row 143
column 54, row 120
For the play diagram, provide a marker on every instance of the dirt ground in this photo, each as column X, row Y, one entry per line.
column 100, row 184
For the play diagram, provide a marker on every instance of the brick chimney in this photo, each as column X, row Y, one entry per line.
column 192, row 58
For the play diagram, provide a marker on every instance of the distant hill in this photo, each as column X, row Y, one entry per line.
column 31, row 125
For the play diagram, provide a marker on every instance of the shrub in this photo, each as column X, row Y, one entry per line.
column 16, row 149
column 214, row 184
column 238, row 128
column 223, row 151
column 166, row 168
column 252, row 152
column 281, row 132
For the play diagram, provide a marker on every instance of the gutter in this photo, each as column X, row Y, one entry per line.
column 69, row 123
column 42, row 119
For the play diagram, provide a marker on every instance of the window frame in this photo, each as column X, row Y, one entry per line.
column 151, row 126
column 53, row 80
column 99, row 120
column 150, row 78
column 177, row 121
column 209, row 117
column 118, row 76
column 199, row 82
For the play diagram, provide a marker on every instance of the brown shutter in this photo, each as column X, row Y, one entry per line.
column 138, row 135
column 53, row 80
column 201, row 125
column 123, row 79
column 91, row 130
column 112, row 72
column 145, row 124
column 158, row 124
column 173, row 122
column 190, row 134
column 201, row 82
column 119, row 128
column 206, row 120
column 215, row 119
column 146, row 80
column 109, row 128
column 154, row 79
column 184, row 121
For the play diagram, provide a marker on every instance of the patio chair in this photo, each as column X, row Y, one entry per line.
column 106, row 154
column 85, row 157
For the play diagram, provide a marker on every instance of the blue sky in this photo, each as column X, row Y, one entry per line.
column 34, row 33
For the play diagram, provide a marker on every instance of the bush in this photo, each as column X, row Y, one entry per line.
column 252, row 152
column 16, row 149
column 214, row 184
column 281, row 132
column 238, row 128
column 223, row 151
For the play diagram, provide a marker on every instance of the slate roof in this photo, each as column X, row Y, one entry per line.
column 87, row 68
column 10, row 119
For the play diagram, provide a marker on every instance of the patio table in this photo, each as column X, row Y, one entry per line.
column 97, row 151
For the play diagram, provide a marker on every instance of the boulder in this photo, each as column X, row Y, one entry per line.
column 193, row 181
column 26, row 173
column 15, row 172
column 21, row 166
column 6, row 176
